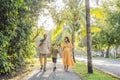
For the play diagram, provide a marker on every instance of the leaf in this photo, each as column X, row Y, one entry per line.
column 98, row 13
column 93, row 30
column 58, row 30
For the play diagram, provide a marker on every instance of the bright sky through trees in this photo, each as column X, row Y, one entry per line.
column 46, row 21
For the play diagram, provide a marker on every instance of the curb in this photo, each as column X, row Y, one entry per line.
column 107, row 72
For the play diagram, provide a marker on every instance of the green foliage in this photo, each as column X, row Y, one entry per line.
column 17, row 19
column 110, row 27
column 69, row 20
column 5, row 64
column 114, row 22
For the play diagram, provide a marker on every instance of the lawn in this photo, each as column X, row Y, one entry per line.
column 117, row 58
column 81, row 69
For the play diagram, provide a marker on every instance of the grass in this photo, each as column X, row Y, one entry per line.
column 111, row 58
column 49, row 59
column 117, row 58
column 29, row 69
column 114, row 58
column 81, row 69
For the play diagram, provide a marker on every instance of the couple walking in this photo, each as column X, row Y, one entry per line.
column 45, row 50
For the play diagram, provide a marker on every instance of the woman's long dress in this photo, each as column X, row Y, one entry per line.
column 67, row 54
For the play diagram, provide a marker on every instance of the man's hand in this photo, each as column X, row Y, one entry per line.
column 49, row 51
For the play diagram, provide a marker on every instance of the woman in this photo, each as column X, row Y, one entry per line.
column 67, row 54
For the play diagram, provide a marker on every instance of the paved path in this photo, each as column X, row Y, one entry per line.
column 59, row 74
column 108, row 65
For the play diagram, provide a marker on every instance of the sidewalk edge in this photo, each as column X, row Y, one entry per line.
column 107, row 72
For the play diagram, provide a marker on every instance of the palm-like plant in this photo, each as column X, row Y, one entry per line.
column 73, row 16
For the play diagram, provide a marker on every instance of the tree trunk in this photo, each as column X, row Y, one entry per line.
column 107, row 52
column 89, row 42
column 73, row 39
column 97, row 2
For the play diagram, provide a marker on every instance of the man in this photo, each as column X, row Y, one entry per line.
column 44, row 50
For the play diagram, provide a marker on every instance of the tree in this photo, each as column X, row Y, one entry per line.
column 70, row 16
column 107, row 19
column 17, row 19
column 89, row 54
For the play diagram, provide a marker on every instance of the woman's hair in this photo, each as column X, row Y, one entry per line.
column 67, row 39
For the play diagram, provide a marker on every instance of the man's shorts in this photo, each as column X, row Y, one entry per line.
column 54, row 60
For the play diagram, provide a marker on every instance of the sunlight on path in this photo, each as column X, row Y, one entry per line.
column 50, row 75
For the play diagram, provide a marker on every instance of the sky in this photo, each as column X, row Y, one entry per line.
column 47, row 21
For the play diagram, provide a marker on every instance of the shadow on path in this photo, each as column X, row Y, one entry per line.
column 59, row 74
